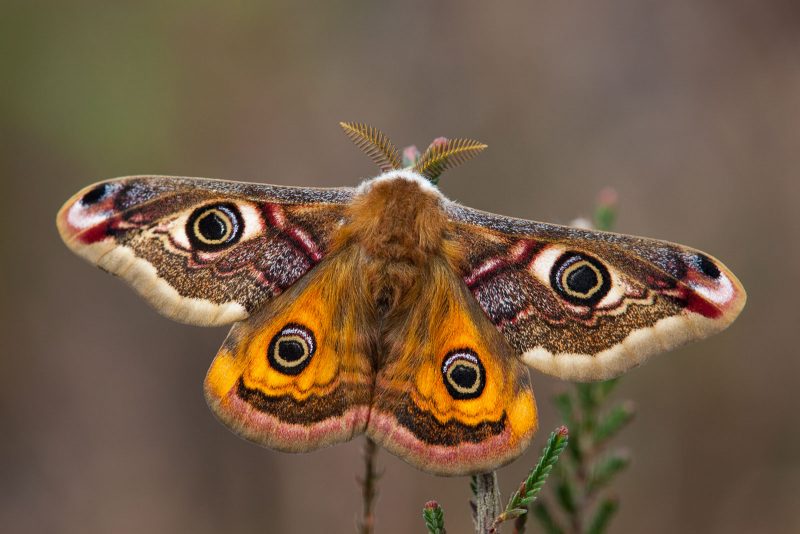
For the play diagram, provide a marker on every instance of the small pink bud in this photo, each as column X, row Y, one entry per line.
column 607, row 197
column 562, row 431
column 439, row 141
column 410, row 155
column 431, row 505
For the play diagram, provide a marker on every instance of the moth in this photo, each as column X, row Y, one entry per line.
column 389, row 310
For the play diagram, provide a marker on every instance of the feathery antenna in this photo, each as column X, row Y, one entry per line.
column 374, row 143
column 446, row 153
column 441, row 155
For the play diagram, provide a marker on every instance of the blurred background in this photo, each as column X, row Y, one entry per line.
column 690, row 110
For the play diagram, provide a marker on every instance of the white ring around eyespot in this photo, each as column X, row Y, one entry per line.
column 300, row 332
column 252, row 225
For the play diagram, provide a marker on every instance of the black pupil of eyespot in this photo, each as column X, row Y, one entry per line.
column 464, row 376
column 708, row 267
column 582, row 279
column 94, row 195
column 213, row 227
column 291, row 350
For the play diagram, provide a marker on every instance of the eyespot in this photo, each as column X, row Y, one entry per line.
column 707, row 266
column 291, row 349
column 580, row 279
column 463, row 373
column 214, row 227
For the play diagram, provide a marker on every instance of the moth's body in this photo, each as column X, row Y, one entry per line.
column 402, row 312
column 398, row 231
column 390, row 310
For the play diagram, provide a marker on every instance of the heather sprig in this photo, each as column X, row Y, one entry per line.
column 579, row 482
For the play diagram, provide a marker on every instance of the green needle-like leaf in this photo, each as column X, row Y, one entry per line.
column 538, row 476
column 545, row 518
column 605, row 214
column 604, row 217
column 613, row 422
column 606, row 387
column 530, row 488
column 565, row 493
column 605, row 469
column 606, row 510
column 587, row 396
column 433, row 515
column 563, row 403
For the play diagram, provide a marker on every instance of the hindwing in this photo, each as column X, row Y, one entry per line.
column 451, row 397
column 296, row 375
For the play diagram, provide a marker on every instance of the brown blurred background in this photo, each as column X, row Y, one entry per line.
column 691, row 110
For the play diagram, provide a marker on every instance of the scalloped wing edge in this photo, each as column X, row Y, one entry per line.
column 142, row 276
column 666, row 334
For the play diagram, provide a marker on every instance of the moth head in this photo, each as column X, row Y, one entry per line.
column 406, row 175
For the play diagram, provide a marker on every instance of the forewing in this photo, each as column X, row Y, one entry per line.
column 204, row 252
column 295, row 376
column 451, row 397
column 588, row 305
